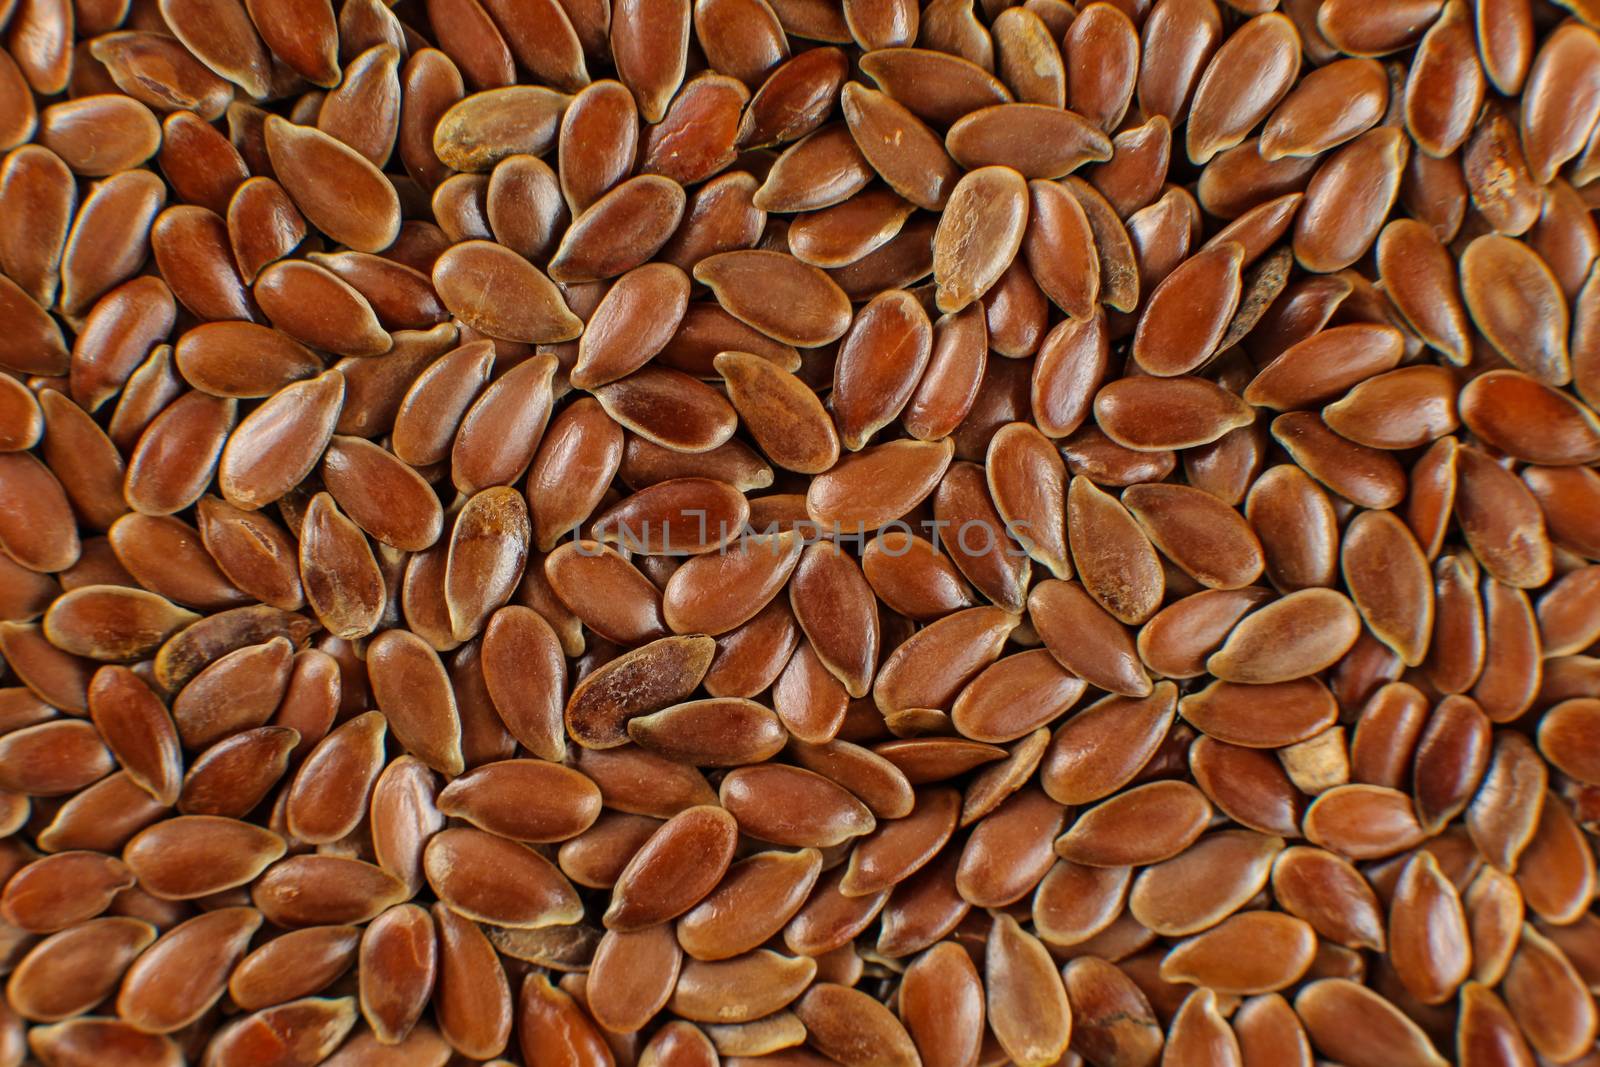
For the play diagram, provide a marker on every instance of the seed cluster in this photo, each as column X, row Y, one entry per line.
column 789, row 532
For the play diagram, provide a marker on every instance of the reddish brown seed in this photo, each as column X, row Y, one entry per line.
column 787, row 805
column 328, row 796
column 488, row 797
column 941, row 1005
column 337, row 189
column 931, row 667
column 1363, row 821
column 1365, row 476
column 851, row 1027
column 186, row 970
column 484, row 877
column 195, row 855
column 231, row 777
column 1348, row 1020
column 754, row 901
column 1151, row 414
column 1345, row 207
column 1517, row 304
column 647, row 679
column 62, row 890
column 1428, row 932
column 879, row 484
column 810, row 311
column 904, row 151
column 1228, row 101
column 674, row 870
column 138, row 730
column 1086, row 639
column 1187, row 313
column 413, row 691
column 1026, row 1002
column 1330, row 894
column 979, row 233
column 338, row 571
column 1036, row 140
column 1214, row 959
column 1102, row 747
column 1174, row 813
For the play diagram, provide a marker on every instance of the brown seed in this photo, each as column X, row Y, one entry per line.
column 854, row 1029
column 138, row 730
column 1178, row 810
column 716, row 732
column 1324, row 365
column 338, row 571
column 941, row 1005
column 1014, row 696
column 1363, row 821
column 101, row 134
column 67, row 973
column 194, row 855
column 1548, row 999
column 785, row 299
column 1244, row 80
column 823, row 169
column 489, row 288
column 1348, row 200
column 112, row 623
column 37, row 529
column 1112, row 1019
column 1330, row 894
column 231, row 777
column 1428, row 932
column 413, row 691
column 186, row 970
column 1517, row 304
column 979, row 233
column 784, row 416
column 611, row 595
column 1502, row 525
column 1085, row 639
column 1551, row 131
column 756, row 898
column 936, row 662
column 1365, row 476
column 1347, row 1020
column 674, row 870
column 647, row 207
column 1186, row 315
column 1386, row 734
column 1103, row 747
column 647, row 679
column 59, row 891
column 1026, row 1002
column 1199, row 1032
column 88, row 1040
column 487, row 878
column 905, row 152
column 488, row 797
column 702, row 420
column 1214, row 959
column 1203, row 536
column 1152, row 414
column 329, row 794
column 1556, row 869
column 1210, row 880
column 488, row 548
column 633, row 974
